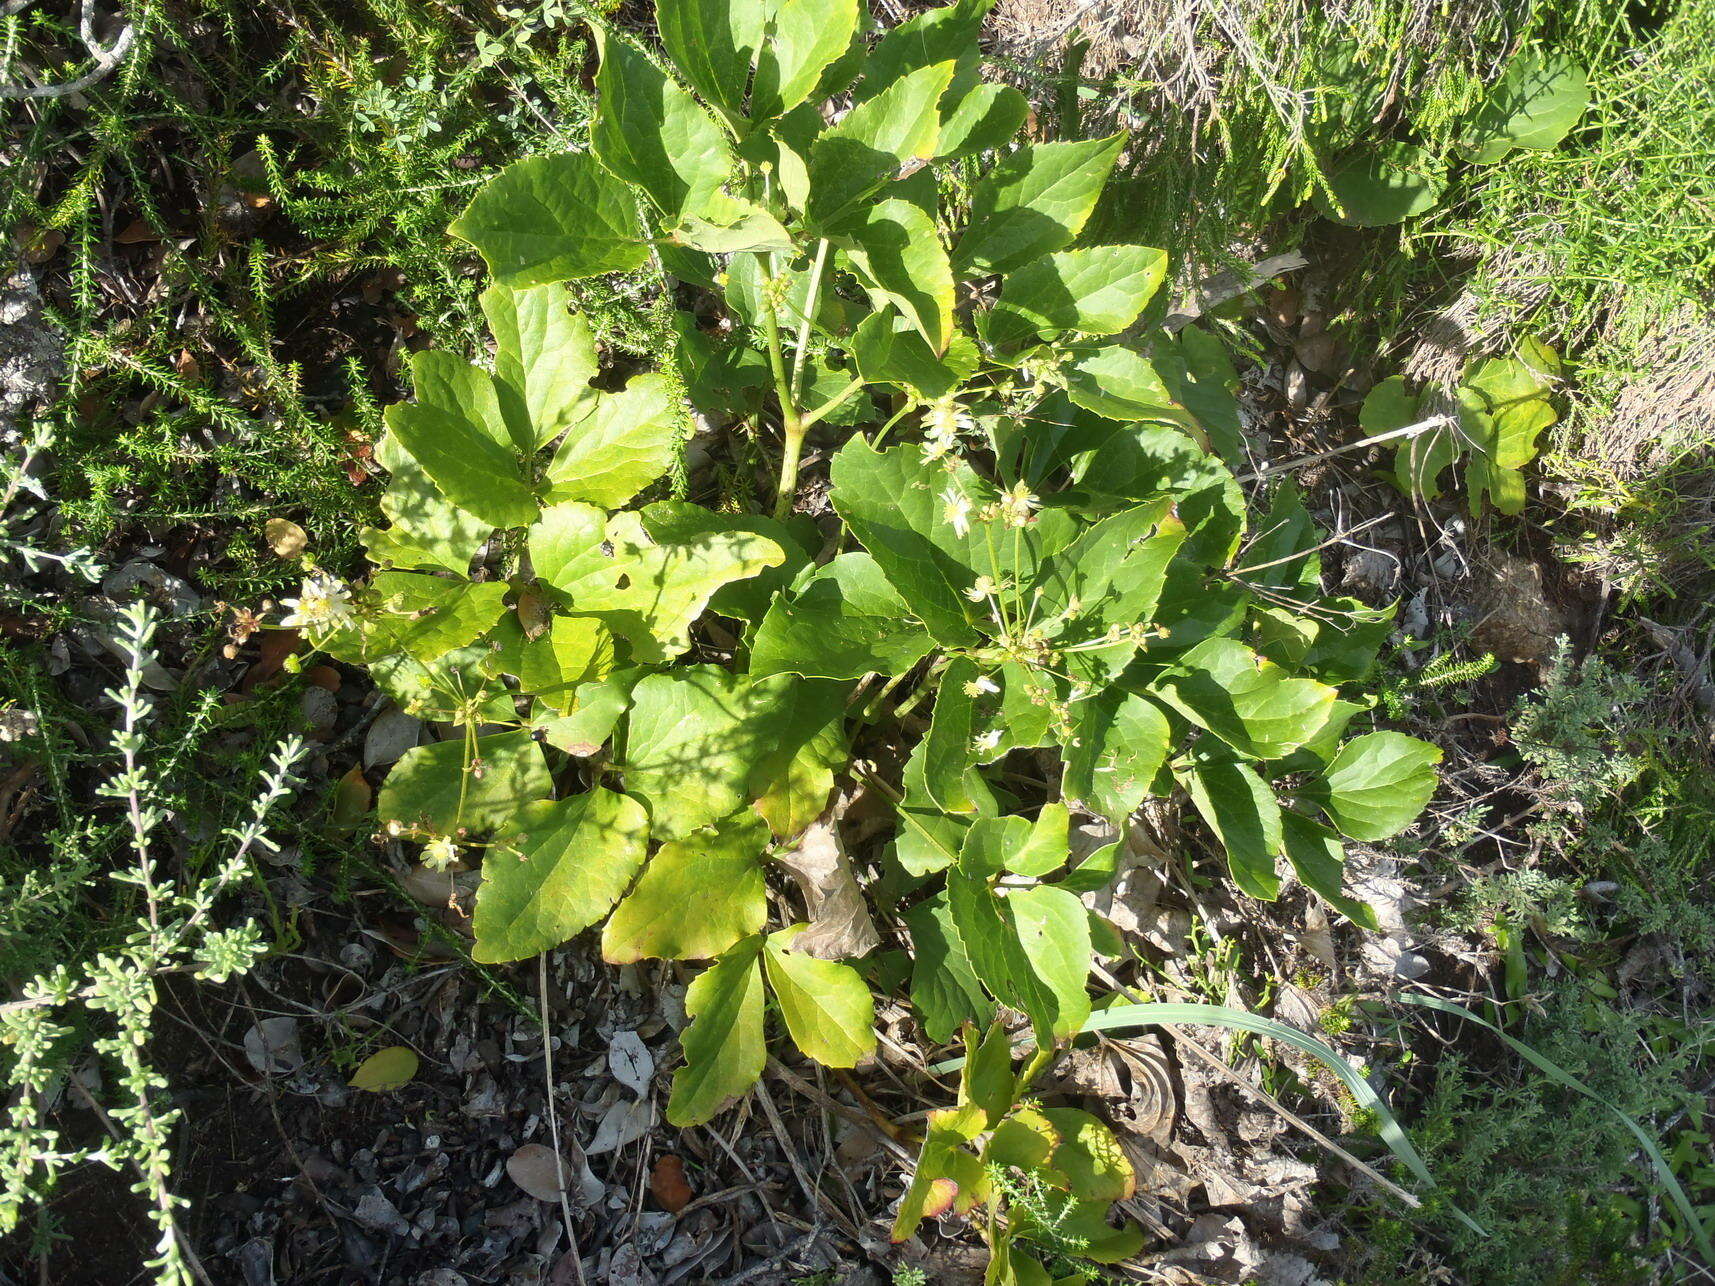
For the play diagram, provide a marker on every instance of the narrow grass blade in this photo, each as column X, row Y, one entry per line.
column 1664, row 1172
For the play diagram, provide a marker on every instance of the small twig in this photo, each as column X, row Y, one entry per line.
column 1212, row 292
column 106, row 59
column 1335, row 539
column 554, row 1116
column 1408, row 431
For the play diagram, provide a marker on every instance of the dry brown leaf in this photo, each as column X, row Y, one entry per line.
column 536, row 1169
column 285, row 537
column 668, row 1186
column 840, row 924
column 324, row 676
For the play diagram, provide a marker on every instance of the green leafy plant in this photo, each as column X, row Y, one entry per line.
column 1532, row 106
column 1054, row 550
column 1502, row 405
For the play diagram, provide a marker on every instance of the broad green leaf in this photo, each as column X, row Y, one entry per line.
column 437, row 790
column 427, row 616
column 948, row 752
column 945, row 34
column 1319, row 859
column 693, row 743
column 544, row 359
column 1534, row 105
column 449, row 688
column 944, row 1176
column 562, row 536
column 1246, row 700
column 1122, row 384
column 697, row 897
column 1016, row 844
column 624, row 443
column 1053, row 929
column 731, row 225
column 896, row 252
column 1388, row 406
column 1023, row 716
column 650, row 132
column 989, row 841
column 460, row 440
column 1200, row 377
column 386, row 1070
column 1284, row 551
column 888, row 350
column 671, row 522
column 1089, row 1157
column 553, row 218
column 1046, row 848
column 1119, row 745
column 595, row 712
column 806, row 745
column 1033, row 202
column 987, row 1079
column 1143, row 462
column 555, row 667
column 1194, row 608
column 645, row 590
column 555, row 869
column 1382, row 185
column 987, row 118
column 1025, row 1139
column 805, row 36
column 713, row 44
column 1245, row 816
column 826, row 1004
column 1031, row 949
column 1096, row 1239
column 874, row 141
column 843, row 622
column 1103, row 588
column 724, row 1045
column 1503, row 407
column 893, row 505
column 1098, row 291
column 428, row 529
column 704, row 743
column 1378, row 784
column 928, row 838
column 943, row 986
column 1348, row 637
column 933, row 527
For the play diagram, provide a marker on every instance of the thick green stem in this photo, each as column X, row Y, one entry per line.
column 792, row 426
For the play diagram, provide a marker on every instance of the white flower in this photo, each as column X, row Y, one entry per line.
column 439, row 854
column 982, row 590
column 956, row 510
column 986, row 741
column 977, row 686
column 1017, row 505
column 322, row 603
column 945, row 420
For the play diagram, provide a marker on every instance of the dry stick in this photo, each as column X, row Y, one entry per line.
column 105, row 59
column 1409, row 431
column 1335, row 539
column 1287, row 1114
column 554, row 1116
column 1214, row 291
